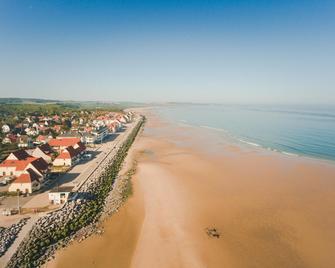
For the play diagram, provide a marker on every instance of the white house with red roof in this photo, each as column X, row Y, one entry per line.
column 27, row 170
column 62, row 143
column 16, row 164
column 69, row 155
column 27, row 182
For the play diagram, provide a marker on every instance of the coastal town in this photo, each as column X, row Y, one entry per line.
column 49, row 163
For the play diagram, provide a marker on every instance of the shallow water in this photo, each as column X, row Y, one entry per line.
column 297, row 130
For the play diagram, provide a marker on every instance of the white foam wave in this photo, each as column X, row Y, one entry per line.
column 290, row 154
column 250, row 143
column 214, row 128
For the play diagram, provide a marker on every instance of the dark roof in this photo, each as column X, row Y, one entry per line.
column 40, row 164
column 21, row 154
column 33, row 175
column 73, row 152
column 46, row 148
column 81, row 147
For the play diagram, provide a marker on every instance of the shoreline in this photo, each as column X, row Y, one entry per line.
column 276, row 211
column 243, row 142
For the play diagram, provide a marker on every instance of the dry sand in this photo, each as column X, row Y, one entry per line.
column 271, row 210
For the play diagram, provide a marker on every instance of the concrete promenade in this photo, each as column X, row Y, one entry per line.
column 80, row 174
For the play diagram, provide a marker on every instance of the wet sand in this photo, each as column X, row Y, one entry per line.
column 271, row 210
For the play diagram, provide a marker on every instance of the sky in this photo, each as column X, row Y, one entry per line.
column 158, row 51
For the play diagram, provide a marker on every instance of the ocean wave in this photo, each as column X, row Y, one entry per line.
column 250, row 143
column 214, row 128
column 184, row 124
column 290, row 154
column 268, row 148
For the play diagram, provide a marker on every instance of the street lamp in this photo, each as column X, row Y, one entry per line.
column 18, row 201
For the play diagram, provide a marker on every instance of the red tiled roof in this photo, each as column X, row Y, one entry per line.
column 41, row 138
column 70, row 152
column 28, row 177
column 64, row 155
column 63, row 142
column 18, row 164
column 39, row 163
column 23, row 178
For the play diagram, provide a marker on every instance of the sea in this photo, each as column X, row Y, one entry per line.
column 302, row 130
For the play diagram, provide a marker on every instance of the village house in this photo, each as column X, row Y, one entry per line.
column 69, row 135
column 57, row 128
column 118, row 124
column 18, row 155
column 88, row 138
column 60, row 144
column 5, row 129
column 6, row 140
column 41, row 139
column 45, row 151
column 31, row 131
column 56, row 118
column 122, row 119
column 27, row 182
column 24, row 141
column 113, row 127
column 101, row 133
column 70, row 155
column 17, row 167
column 60, row 195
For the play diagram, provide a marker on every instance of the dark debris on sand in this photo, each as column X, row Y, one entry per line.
column 212, row 232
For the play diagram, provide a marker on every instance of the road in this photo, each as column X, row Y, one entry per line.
column 76, row 177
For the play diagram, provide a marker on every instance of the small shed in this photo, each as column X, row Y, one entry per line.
column 60, row 195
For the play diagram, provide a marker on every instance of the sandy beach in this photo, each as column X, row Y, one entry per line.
column 271, row 210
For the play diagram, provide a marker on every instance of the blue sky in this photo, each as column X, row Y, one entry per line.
column 199, row 51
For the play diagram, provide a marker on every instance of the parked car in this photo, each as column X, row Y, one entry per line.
column 9, row 212
column 87, row 156
column 8, row 179
column 53, row 176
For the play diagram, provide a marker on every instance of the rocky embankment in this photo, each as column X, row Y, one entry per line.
column 77, row 219
column 9, row 234
column 121, row 190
